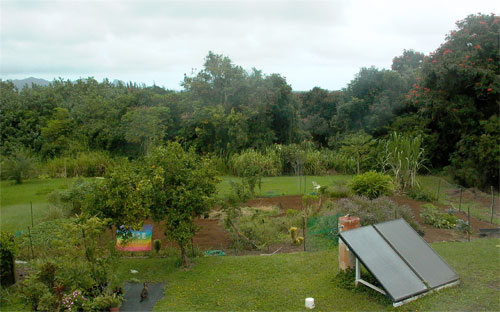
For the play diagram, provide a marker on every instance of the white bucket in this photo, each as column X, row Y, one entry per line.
column 310, row 303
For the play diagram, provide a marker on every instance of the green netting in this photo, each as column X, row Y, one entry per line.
column 322, row 232
column 272, row 193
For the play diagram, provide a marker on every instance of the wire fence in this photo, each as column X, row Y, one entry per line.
column 321, row 232
column 482, row 205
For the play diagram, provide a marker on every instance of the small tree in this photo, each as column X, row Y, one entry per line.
column 123, row 197
column 183, row 188
column 18, row 166
column 358, row 146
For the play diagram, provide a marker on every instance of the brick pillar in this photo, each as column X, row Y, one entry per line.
column 346, row 257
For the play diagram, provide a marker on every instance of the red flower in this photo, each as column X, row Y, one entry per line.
column 434, row 61
column 490, row 59
column 477, row 46
column 489, row 89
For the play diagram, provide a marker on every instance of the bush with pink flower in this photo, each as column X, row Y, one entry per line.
column 73, row 301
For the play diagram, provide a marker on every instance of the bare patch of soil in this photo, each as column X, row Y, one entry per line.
column 213, row 236
column 210, row 236
column 435, row 235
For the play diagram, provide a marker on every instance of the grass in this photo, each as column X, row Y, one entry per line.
column 279, row 282
column 283, row 281
column 15, row 201
column 449, row 195
column 286, row 185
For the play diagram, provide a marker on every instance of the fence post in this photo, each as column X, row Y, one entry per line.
column 492, row 203
column 460, row 202
column 468, row 222
column 31, row 243
column 304, row 231
column 31, row 207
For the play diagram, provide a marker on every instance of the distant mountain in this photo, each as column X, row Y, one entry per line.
column 20, row 83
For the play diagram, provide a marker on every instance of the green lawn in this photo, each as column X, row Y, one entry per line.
column 286, row 185
column 283, row 281
column 15, row 212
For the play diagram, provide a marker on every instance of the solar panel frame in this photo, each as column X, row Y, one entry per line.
column 367, row 245
column 419, row 256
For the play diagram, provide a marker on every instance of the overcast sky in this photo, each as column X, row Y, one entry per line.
column 311, row 43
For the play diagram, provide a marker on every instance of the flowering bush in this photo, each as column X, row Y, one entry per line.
column 73, row 301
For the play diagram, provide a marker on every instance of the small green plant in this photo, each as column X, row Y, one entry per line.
column 32, row 290
column 462, row 226
column 296, row 240
column 338, row 191
column 433, row 216
column 371, row 184
column 417, row 193
column 104, row 302
column 157, row 245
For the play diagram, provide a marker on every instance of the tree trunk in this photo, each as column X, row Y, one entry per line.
column 184, row 255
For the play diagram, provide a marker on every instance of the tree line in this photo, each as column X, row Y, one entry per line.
column 449, row 98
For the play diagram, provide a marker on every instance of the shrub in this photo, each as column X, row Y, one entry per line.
column 71, row 200
column 434, row 217
column 157, row 245
column 33, row 290
column 372, row 211
column 371, row 184
column 462, row 226
column 261, row 229
column 18, row 166
column 104, row 302
column 7, row 252
column 417, row 193
column 338, row 191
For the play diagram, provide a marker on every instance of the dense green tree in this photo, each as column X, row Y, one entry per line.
column 123, row 196
column 318, row 107
column 58, row 134
column 459, row 89
column 146, row 126
column 183, row 187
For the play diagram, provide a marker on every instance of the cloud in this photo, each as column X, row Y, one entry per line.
column 312, row 43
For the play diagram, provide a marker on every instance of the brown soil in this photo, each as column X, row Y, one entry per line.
column 213, row 236
column 434, row 235
column 210, row 236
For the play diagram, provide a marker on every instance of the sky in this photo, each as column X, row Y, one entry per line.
column 311, row 43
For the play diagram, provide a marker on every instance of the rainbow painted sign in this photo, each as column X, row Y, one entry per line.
column 140, row 240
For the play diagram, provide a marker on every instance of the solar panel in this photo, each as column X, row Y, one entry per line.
column 378, row 257
column 417, row 253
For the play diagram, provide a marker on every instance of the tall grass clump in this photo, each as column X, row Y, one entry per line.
column 403, row 156
column 85, row 164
